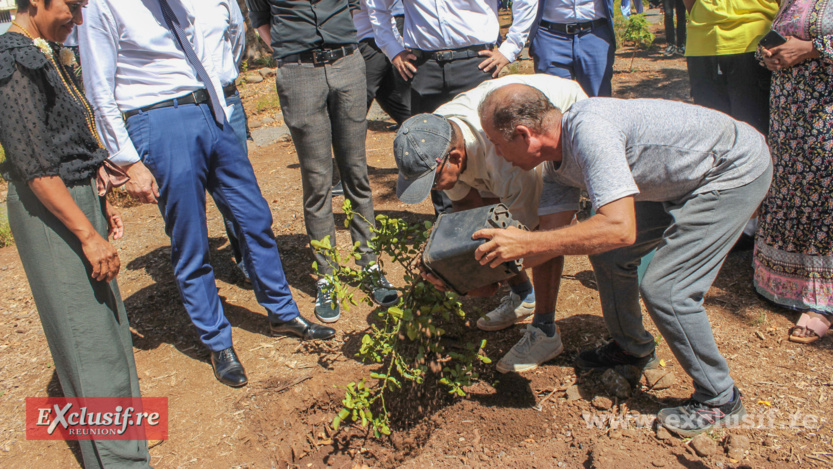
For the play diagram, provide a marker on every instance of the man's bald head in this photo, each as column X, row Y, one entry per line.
column 507, row 107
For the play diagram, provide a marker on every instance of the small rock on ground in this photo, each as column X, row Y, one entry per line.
column 602, row 403
column 736, row 446
column 703, row 445
column 268, row 135
column 659, row 379
column 266, row 72
column 630, row 373
column 573, row 393
column 615, row 384
column 253, row 78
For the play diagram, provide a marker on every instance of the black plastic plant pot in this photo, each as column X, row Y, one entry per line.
column 449, row 253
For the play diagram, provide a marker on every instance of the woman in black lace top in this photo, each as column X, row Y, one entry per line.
column 60, row 223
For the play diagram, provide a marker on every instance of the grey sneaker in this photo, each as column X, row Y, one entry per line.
column 383, row 293
column 338, row 190
column 533, row 349
column 695, row 417
column 510, row 311
column 326, row 309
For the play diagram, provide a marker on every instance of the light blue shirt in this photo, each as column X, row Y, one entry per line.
column 573, row 11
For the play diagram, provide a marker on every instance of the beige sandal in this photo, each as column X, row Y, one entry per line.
column 813, row 324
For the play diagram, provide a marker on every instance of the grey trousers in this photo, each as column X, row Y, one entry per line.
column 692, row 238
column 324, row 107
column 83, row 319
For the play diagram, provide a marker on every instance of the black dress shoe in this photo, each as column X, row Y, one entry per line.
column 227, row 368
column 302, row 328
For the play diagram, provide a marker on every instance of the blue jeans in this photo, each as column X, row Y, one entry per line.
column 189, row 154
column 585, row 57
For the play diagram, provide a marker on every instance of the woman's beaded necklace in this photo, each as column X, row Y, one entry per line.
column 71, row 88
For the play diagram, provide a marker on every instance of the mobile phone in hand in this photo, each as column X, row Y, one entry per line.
column 772, row 39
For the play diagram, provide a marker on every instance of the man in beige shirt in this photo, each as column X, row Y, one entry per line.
column 449, row 150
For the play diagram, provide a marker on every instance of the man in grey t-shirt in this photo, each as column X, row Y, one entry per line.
column 672, row 176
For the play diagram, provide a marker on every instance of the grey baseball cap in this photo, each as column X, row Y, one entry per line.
column 419, row 142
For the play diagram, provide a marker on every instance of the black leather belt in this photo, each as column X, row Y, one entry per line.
column 197, row 97
column 229, row 90
column 573, row 28
column 452, row 54
column 319, row 56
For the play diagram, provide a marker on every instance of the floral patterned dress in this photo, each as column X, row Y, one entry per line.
column 794, row 248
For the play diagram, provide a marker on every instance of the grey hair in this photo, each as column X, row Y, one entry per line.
column 529, row 108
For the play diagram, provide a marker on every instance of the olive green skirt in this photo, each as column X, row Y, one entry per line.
column 84, row 320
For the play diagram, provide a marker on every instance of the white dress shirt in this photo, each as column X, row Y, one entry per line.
column 451, row 24
column 364, row 29
column 573, row 11
column 224, row 28
column 131, row 60
column 486, row 171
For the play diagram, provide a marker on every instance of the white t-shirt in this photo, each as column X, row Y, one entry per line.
column 486, row 171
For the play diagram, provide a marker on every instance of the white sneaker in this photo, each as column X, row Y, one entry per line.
column 533, row 349
column 510, row 311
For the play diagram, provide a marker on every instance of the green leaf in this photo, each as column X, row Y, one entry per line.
column 343, row 414
column 395, row 312
column 378, row 375
column 336, row 423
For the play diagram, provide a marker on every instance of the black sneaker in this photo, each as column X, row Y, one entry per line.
column 695, row 417
column 611, row 355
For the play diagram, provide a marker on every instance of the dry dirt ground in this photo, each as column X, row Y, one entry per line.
column 281, row 418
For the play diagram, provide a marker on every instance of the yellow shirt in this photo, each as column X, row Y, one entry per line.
column 723, row 27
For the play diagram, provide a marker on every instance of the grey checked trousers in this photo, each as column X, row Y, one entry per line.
column 324, row 107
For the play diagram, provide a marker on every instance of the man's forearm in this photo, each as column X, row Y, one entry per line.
column 380, row 19
column 593, row 236
column 523, row 17
column 689, row 4
column 265, row 33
